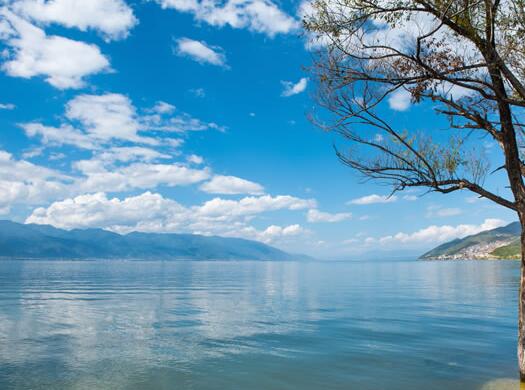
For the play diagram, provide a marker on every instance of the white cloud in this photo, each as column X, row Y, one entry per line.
column 441, row 212
column 98, row 120
column 231, row 185
column 200, row 51
column 315, row 215
column 56, row 136
column 163, row 108
column 145, row 212
column 7, row 106
column 143, row 175
column 130, row 153
column 112, row 18
column 313, row 42
column 376, row 37
column 154, row 213
column 180, row 123
column 106, row 116
column 372, row 199
column 290, row 88
column 195, row 159
column 378, row 138
column 64, row 63
column 254, row 205
column 33, row 152
column 139, row 175
column 124, row 156
column 437, row 234
column 24, row 183
column 400, row 100
column 410, row 198
column 274, row 233
column 262, row 16
column 23, row 170
column 113, row 169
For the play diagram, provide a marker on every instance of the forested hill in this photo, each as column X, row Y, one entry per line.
column 499, row 243
column 47, row 242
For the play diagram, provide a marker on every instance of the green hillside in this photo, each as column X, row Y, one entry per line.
column 511, row 251
column 502, row 242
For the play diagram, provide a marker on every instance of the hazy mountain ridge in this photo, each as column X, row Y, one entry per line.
column 47, row 242
column 499, row 243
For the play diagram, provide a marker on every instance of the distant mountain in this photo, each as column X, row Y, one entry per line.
column 499, row 243
column 47, row 242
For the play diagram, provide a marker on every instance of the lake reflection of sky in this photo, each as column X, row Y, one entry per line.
column 256, row 325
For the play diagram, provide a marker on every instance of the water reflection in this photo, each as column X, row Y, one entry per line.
column 257, row 325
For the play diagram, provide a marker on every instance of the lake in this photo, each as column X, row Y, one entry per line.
column 257, row 325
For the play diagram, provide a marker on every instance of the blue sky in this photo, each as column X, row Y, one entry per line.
column 189, row 116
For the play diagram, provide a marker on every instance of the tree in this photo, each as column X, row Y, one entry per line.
column 466, row 57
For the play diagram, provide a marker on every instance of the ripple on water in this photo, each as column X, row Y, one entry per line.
column 258, row 325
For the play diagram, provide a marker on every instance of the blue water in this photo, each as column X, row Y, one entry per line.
column 256, row 325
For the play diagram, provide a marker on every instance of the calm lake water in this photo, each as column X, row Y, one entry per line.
column 257, row 325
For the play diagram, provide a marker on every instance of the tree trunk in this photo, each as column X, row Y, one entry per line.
column 521, row 306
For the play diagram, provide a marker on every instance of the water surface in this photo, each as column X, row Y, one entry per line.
column 257, row 325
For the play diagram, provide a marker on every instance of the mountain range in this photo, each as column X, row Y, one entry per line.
column 30, row 241
column 499, row 243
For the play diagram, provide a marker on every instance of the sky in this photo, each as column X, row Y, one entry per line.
column 192, row 116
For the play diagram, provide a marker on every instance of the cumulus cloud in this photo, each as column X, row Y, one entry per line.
column 274, row 233
column 63, row 62
column 97, row 120
column 290, row 88
column 140, row 212
column 200, row 51
column 127, row 149
column 129, row 154
column 114, row 169
column 231, row 185
column 98, row 177
column 261, row 16
column 373, row 199
column 113, row 19
column 254, row 205
column 56, row 136
column 24, row 183
column 400, row 100
column 106, row 116
column 315, row 216
column 437, row 234
column 23, row 170
column 151, row 212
